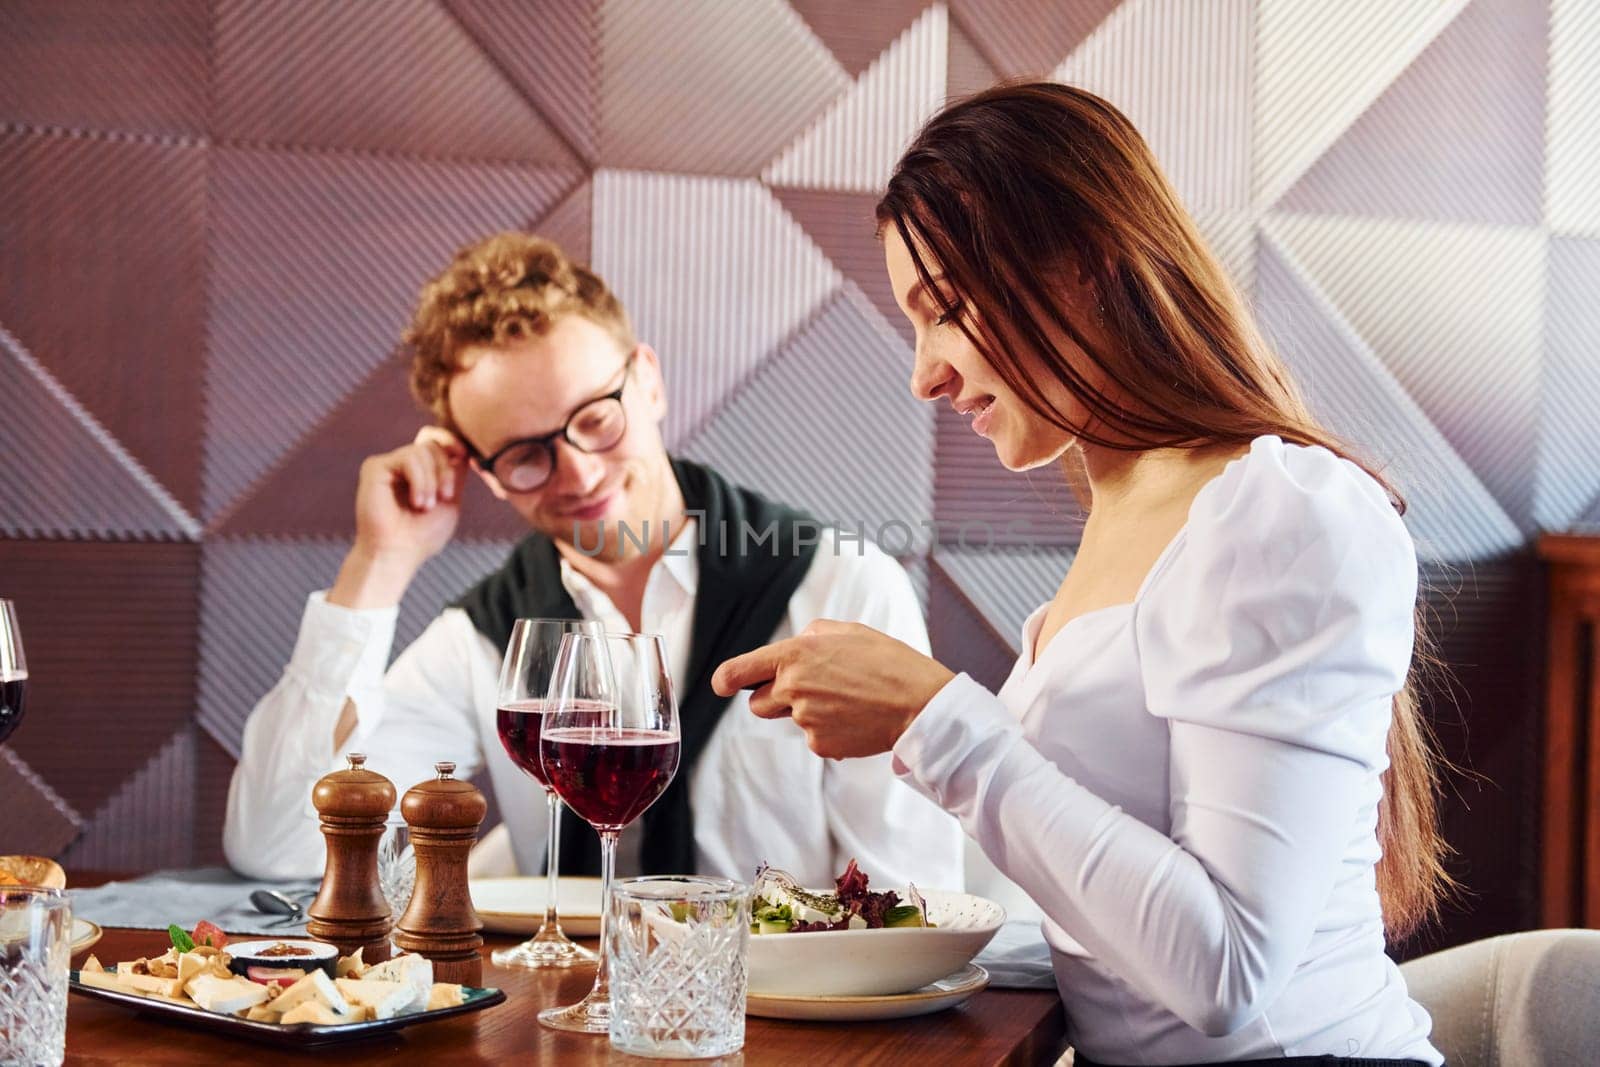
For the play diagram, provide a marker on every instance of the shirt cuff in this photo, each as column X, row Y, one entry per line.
column 342, row 650
column 961, row 721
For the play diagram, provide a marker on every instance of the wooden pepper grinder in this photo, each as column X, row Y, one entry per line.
column 444, row 814
column 350, row 911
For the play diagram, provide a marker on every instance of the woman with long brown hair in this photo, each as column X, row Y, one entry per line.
column 1207, row 768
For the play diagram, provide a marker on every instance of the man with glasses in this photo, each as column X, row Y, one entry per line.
column 537, row 386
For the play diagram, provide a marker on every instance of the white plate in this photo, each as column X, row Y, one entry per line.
column 516, row 905
column 870, row 963
column 84, row 934
column 937, row 996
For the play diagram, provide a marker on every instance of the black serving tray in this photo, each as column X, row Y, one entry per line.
column 299, row 1035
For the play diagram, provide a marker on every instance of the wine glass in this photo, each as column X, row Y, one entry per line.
column 610, row 748
column 521, row 704
column 13, row 670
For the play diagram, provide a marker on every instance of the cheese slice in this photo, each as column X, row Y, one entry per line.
column 92, row 964
column 445, row 995
column 146, row 983
column 226, row 996
column 99, row 979
column 189, row 965
column 261, row 1013
column 351, row 966
column 410, row 970
column 385, row 999
column 316, row 1012
column 316, row 987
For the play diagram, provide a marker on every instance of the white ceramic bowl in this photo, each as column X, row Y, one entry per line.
column 847, row 963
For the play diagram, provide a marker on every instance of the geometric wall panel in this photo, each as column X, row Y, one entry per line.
column 1319, row 66
column 964, row 640
column 37, row 821
column 844, row 228
column 1573, row 167
column 860, row 457
column 855, row 32
column 150, row 65
column 1231, row 237
column 1006, row 587
column 84, row 481
column 1143, row 58
column 1486, row 70
column 146, row 821
column 1455, row 313
column 1569, row 429
column 328, row 74
column 213, row 771
column 318, row 260
column 243, row 653
column 310, row 491
column 707, row 86
column 1027, row 37
column 550, row 51
column 1449, row 513
column 570, row 224
column 109, row 628
column 856, row 143
column 968, row 71
column 119, row 223
column 713, row 273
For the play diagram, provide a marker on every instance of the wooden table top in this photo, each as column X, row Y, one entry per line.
column 996, row 1026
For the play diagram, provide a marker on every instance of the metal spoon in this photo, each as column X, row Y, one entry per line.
column 272, row 902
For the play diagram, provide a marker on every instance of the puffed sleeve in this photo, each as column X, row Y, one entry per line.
column 1288, row 614
column 1272, row 637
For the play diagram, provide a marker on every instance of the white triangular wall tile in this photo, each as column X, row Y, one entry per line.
column 714, row 273
column 1181, row 71
column 854, row 146
column 1319, row 66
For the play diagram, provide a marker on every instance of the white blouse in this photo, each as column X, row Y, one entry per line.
column 1188, row 784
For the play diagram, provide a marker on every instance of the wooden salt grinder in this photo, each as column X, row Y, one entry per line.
column 444, row 814
column 350, row 911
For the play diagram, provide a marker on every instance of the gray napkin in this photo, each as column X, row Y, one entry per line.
column 185, row 897
column 1018, row 957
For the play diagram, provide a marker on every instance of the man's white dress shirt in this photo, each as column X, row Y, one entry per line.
column 759, row 794
column 1188, row 784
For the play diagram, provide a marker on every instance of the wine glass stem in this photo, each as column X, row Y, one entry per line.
column 552, row 862
column 608, row 865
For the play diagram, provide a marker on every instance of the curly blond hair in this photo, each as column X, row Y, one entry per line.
column 500, row 289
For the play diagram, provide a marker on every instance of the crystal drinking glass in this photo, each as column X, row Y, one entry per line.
column 35, row 947
column 677, row 947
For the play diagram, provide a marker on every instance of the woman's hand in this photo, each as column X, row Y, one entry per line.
column 852, row 689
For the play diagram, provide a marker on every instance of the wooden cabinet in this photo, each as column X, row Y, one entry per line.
column 1570, row 893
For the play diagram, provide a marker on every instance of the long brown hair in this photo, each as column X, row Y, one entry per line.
column 1009, row 190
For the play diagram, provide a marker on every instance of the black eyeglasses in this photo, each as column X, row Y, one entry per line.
column 526, row 464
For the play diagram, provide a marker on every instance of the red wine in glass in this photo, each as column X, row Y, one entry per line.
column 609, row 775
column 13, row 693
column 519, row 724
